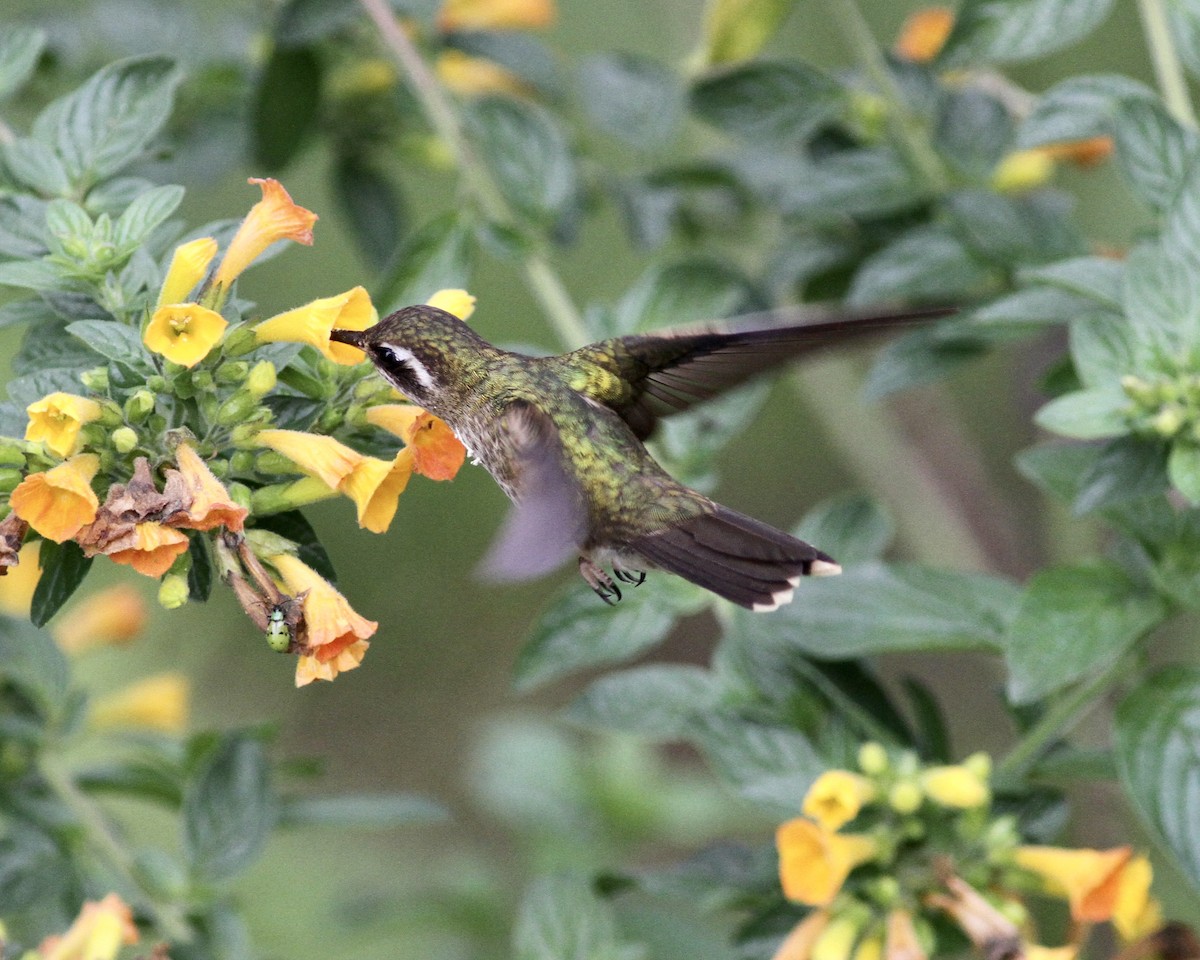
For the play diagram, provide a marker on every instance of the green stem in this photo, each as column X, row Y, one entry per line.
column 544, row 283
column 906, row 127
column 168, row 919
column 1167, row 68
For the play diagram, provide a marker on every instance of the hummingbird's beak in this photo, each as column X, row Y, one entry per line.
column 356, row 338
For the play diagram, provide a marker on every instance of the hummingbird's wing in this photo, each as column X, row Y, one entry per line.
column 662, row 373
column 547, row 522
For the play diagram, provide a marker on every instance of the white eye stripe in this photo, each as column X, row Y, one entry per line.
column 403, row 356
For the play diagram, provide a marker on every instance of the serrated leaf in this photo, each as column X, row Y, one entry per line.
column 1183, row 468
column 852, row 527
column 1162, row 302
column 1009, row 31
column 23, row 226
column 927, row 263
column 1102, row 349
column 118, row 342
column 632, row 98
column 658, row 702
column 1100, row 279
column 1128, row 468
column 560, row 917
column 1094, row 414
column 145, row 214
column 25, row 390
column 35, row 165
column 775, row 102
column 853, row 183
column 1013, row 231
column 287, row 104
column 303, row 22
column 228, row 808
column 974, row 130
column 436, row 257
column 372, row 204
column 1158, row 756
column 1079, row 108
column 1072, row 623
column 63, row 569
column 1154, row 150
column 375, row 810
column 20, row 48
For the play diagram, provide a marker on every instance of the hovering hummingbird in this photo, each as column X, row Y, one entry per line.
column 563, row 436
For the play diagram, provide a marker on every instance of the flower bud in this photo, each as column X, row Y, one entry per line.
column 173, row 591
column 329, row 421
column 95, row 379
column 837, row 940
column 124, row 439
column 239, row 342
column 236, row 409
column 239, row 493
column 1168, row 421
column 270, row 462
column 232, row 372
column 9, row 478
column 1023, row 170
column 905, row 797
column 261, row 379
column 203, row 380
column 110, row 414
column 156, row 383
column 12, row 453
column 243, row 437
column 139, row 406
column 872, row 758
column 242, row 461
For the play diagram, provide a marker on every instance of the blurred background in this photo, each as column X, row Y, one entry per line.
column 433, row 710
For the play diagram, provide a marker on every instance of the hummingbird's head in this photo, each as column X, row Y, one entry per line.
column 422, row 351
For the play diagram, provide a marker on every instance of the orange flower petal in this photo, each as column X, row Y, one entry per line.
column 154, row 549
column 814, row 862
column 437, row 452
column 496, row 14
column 275, row 217
column 1089, row 879
column 924, row 34
column 109, row 617
column 58, row 502
column 211, row 505
column 184, row 333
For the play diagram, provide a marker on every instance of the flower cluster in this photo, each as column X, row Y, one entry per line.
column 102, row 928
column 214, row 423
column 900, row 860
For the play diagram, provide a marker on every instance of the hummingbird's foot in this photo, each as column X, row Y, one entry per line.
column 599, row 580
column 636, row 577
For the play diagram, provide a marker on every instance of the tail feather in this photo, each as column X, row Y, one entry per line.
column 736, row 557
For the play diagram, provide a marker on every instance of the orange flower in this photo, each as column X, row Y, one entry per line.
column 835, row 798
column 188, row 266
column 150, row 548
column 437, row 453
column 58, row 502
column 1089, row 879
column 496, row 14
column 210, row 504
column 274, row 217
column 924, row 34
column 375, row 487
column 1084, row 153
column 184, row 333
column 159, row 703
column 56, row 420
column 97, row 933
column 336, row 636
column 108, row 617
column 814, row 862
column 17, row 586
column 312, row 323
column 475, row 76
column 798, row 944
column 322, row 457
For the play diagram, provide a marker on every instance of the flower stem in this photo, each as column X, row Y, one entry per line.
column 1167, row 68
column 168, row 919
column 543, row 282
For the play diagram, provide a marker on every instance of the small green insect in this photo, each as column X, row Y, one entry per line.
column 279, row 634
column 284, row 622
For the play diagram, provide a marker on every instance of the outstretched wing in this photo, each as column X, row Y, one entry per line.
column 547, row 522
column 644, row 377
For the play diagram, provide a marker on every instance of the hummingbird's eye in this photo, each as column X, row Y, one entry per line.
column 403, row 369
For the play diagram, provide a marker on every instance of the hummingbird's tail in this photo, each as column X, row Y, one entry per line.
column 736, row 557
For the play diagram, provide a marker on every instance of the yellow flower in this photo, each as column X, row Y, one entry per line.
column 455, row 301
column 836, row 797
column 496, row 14
column 336, row 636
column 312, row 323
column 1035, row 951
column 1136, row 914
column 924, row 34
column 375, row 486
column 798, row 944
column 838, row 939
column 955, row 786
column 97, row 933
column 18, row 584
column 274, row 217
column 325, row 458
column 184, row 333
column 475, row 76
column 437, row 453
column 151, row 548
column 189, row 263
column 159, row 703
column 902, row 942
column 109, row 617
column 1089, row 879
column 58, row 502
column 56, row 420
column 1023, row 170
column 209, row 502
column 814, row 862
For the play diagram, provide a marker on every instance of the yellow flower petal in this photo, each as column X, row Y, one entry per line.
column 184, row 333
column 325, row 458
column 375, row 487
column 56, row 420
column 955, row 786
column 1136, row 914
column 18, row 584
column 275, row 217
column 159, row 702
column 109, row 617
column 97, row 933
column 924, row 34
column 189, row 263
column 798, row 944
column 1023, row 170
column 313, row 322
column 836, row 797
column 1089, row 879
column 814, row 862
column 455, row 301
column 496, row 14
column 476, row 76
column 58, row 502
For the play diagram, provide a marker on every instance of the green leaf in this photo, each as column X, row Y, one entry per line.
column 35, row 165
column 923, row 356
column 973, row 133
column 1101, row 279
column 632, row 98
column 932, row 733
column 436, row 257
column 1079, row 108
column 928, row 262
column 1009, row 31
column 63, row 569
column 32, row 662
column 1014, row 230
column 1073, row 622
column 579, row 630
column 1093, row 414
column 854, row 183
column 108, row 122
column 1153, row 150
column 228, row 808
column 146, row 778
column 658, row 701
column 560, row 917
column 1162, row 302
column 690, row 444
column 118, row 342
column 517, row 51
column 146, row 213
column 1103, row 349
column 372, row 204
column 878, row 608
column 31, row 275
column 1158, row 756
column 374, row 810
column 303, row 22
column 680, row 293
column 772, row 102
column 1128, row 468
column 287, row 105
column 738, row 29
column 295, row 527
column 20, row 48
column 527, row 152
column 200, row 573
column 1183, row 468
column 851, row 527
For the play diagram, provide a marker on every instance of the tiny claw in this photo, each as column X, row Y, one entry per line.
column 600, row 582
column 636, row 577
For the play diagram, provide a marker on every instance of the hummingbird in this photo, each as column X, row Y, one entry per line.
column 564, row 437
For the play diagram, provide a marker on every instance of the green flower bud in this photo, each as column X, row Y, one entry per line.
column 236, row 409
column 242, row 462
column 156, row 383
column 329, row 421
column 270, row 462
column 95, row 379
column 9, row 478
column 356, row 415
column 173, row 591
column 219, row 468
column 905, row 796
column 239, row 493
column 262, row 378
column 156, row 423
column 124, row 439
column 12, row 453
column 242, row 436
column 232, row 373
column 872, row 758
column 1168, row 421
column 279, row 497
column 239, row 342
column 110, row 414
column 139, row 406
column 203, row 380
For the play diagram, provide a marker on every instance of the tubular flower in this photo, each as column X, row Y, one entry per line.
column 436, row 452
column 1089, row 879
column 209, row 502
column 1136, row 913
column 836, row 797
column 902, row 942
column 16, row 588
column 814, row 862
column 955, row 786
column 475, row 76
column 1023, row 170
column 1083, row 153
column 150, row 548
column 986, row 927
column 159, row 703
column 184, row 333
column 375, row 487
column 58, row 502
column 111, row 617
column 924, row 34
column 274, row 217
column 455, row 301
column 56, row 420
column 312, row 323
column 496, row 14
column 97, row 933
column 336, row 635
column 189, row 263
column 323, row 457
column 798, row 944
